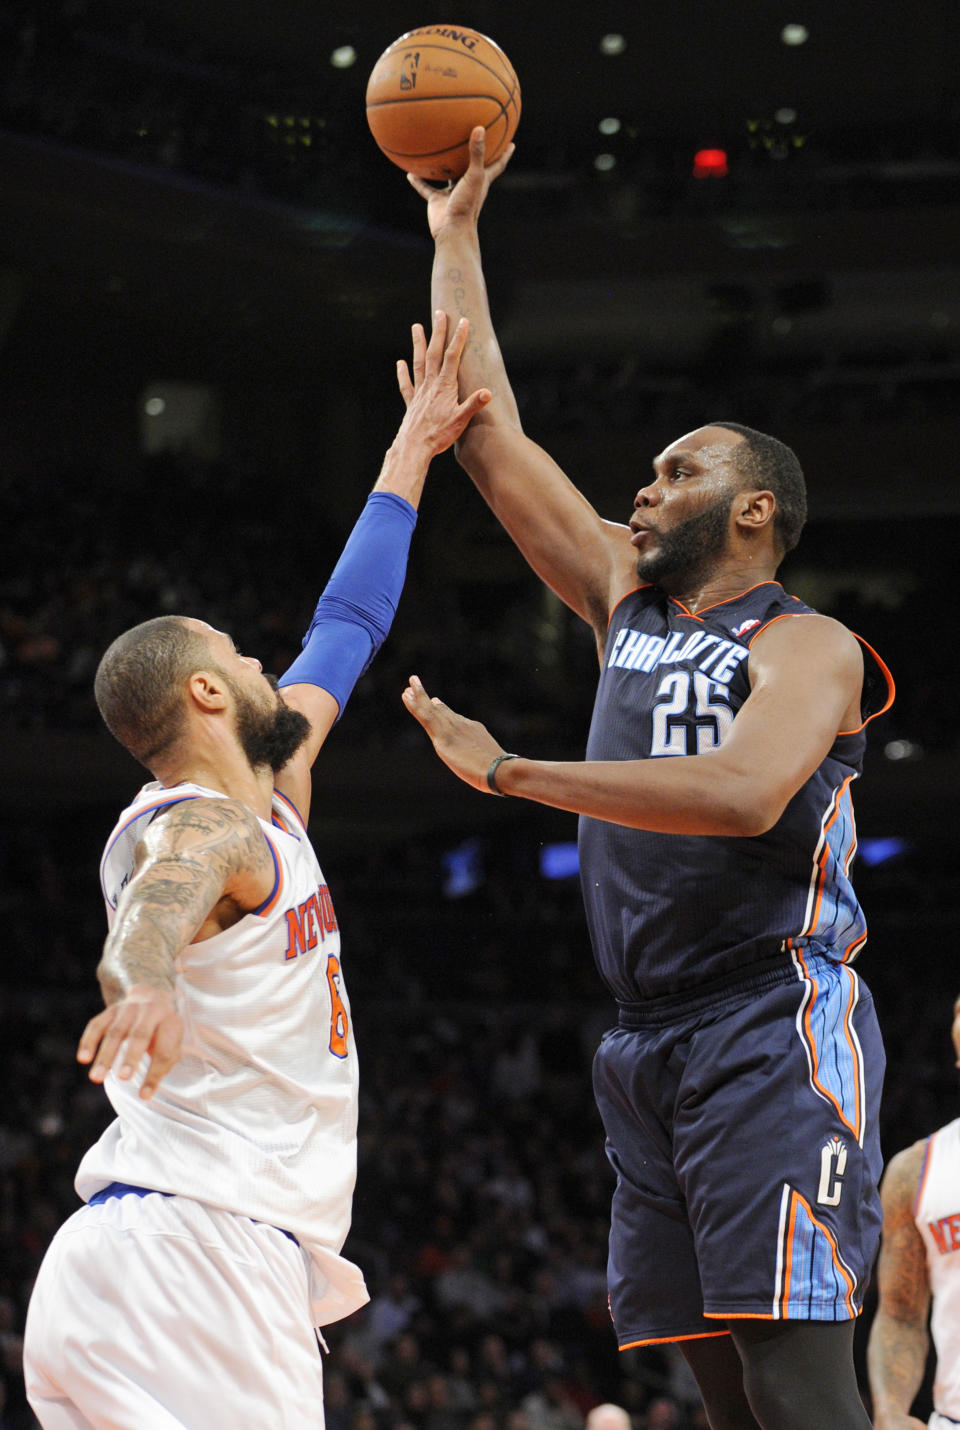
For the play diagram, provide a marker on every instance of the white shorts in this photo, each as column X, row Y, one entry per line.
column 158, row 1313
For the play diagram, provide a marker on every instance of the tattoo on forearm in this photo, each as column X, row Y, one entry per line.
column 184, row 866
column 897, row 1356
column 475, row 346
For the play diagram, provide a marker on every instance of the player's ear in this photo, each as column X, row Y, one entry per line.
column 755, row 510
column 207, row 690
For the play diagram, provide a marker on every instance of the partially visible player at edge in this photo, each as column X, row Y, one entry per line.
column 919, row 1262
column 185, row 1293
column 740, row 1090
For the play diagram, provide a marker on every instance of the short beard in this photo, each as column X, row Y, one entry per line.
column 690, row 550
column 268, row 737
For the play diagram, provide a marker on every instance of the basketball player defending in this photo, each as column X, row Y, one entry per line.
column 185, row 1292
column 919, row 1261
column 739, row 1091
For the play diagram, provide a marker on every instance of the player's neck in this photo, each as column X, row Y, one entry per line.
column 228, row 773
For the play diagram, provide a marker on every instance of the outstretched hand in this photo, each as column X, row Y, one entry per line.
column 465, row 746
column 466, row 198
column 145, row 1021
column 435, row 415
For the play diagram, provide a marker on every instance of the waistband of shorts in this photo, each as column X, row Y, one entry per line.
column 127, row 1189
column 770, row 972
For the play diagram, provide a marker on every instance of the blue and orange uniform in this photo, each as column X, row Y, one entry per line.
column 740, row 1088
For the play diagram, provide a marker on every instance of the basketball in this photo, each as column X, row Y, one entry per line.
column 430, row 88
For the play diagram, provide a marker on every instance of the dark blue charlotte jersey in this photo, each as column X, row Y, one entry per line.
column 669, row 912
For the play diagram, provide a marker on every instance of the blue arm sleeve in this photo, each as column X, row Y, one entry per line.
column 359, row 601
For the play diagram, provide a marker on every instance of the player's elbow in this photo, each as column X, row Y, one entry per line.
column 736, row 822
column 753, row 822
column 746, row 811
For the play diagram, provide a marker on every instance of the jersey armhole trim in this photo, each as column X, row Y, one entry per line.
column 272, row 898
column 881, row 665
column 153, row 810
column 289, row 805
column 644, row 586
column 891, row 688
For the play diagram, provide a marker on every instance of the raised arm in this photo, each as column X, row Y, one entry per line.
column 200, row 866
column 359, row 602
column 587, row 561
column 806, row 675
column 899, row 1341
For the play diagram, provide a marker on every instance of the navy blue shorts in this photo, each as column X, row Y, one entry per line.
column 743, row 1132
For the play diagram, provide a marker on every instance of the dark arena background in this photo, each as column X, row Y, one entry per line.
column 207, row 273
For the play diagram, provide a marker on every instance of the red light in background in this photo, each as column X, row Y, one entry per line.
column 710, row 164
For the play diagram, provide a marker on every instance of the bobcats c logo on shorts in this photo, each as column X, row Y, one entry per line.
column 833, row 1161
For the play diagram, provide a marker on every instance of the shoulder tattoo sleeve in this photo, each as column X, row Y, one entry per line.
column 190, row 858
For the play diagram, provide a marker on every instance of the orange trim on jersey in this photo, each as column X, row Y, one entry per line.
column 824, row 857
column 291, row 806
column 783, row 616
column 685, row 610
column 738, row 1316
column 891, row 688
column 271, row 902
column 784, row 1302
column 852, row 949
column 670, row 1340
column 645, row 586
column 884, row 670
column 852, row 1001
column 923, row 1175
column 697, row 616
column 788, row 1255
column 812, row 1047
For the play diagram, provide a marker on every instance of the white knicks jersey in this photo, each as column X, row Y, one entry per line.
column 937, row 1214
column 259, row 1116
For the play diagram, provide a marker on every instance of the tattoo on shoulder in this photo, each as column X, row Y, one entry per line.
column 185, row 865
column 223, row 833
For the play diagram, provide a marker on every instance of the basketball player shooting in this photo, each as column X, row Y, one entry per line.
column 185, row 1292
column 740, row 1088
column 919, row 1264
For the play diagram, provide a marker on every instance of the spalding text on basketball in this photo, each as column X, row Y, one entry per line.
column 467, row 41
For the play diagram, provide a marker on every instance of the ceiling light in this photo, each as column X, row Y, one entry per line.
column 604, row 162
column 786, row 115
column 794, row 34
column 609, row 126
column 343, row 57
column 612, row 45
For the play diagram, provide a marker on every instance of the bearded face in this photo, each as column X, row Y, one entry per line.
column 269, row 734
column 692, row 547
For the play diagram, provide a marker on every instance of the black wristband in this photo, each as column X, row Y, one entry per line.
column 492, row 773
